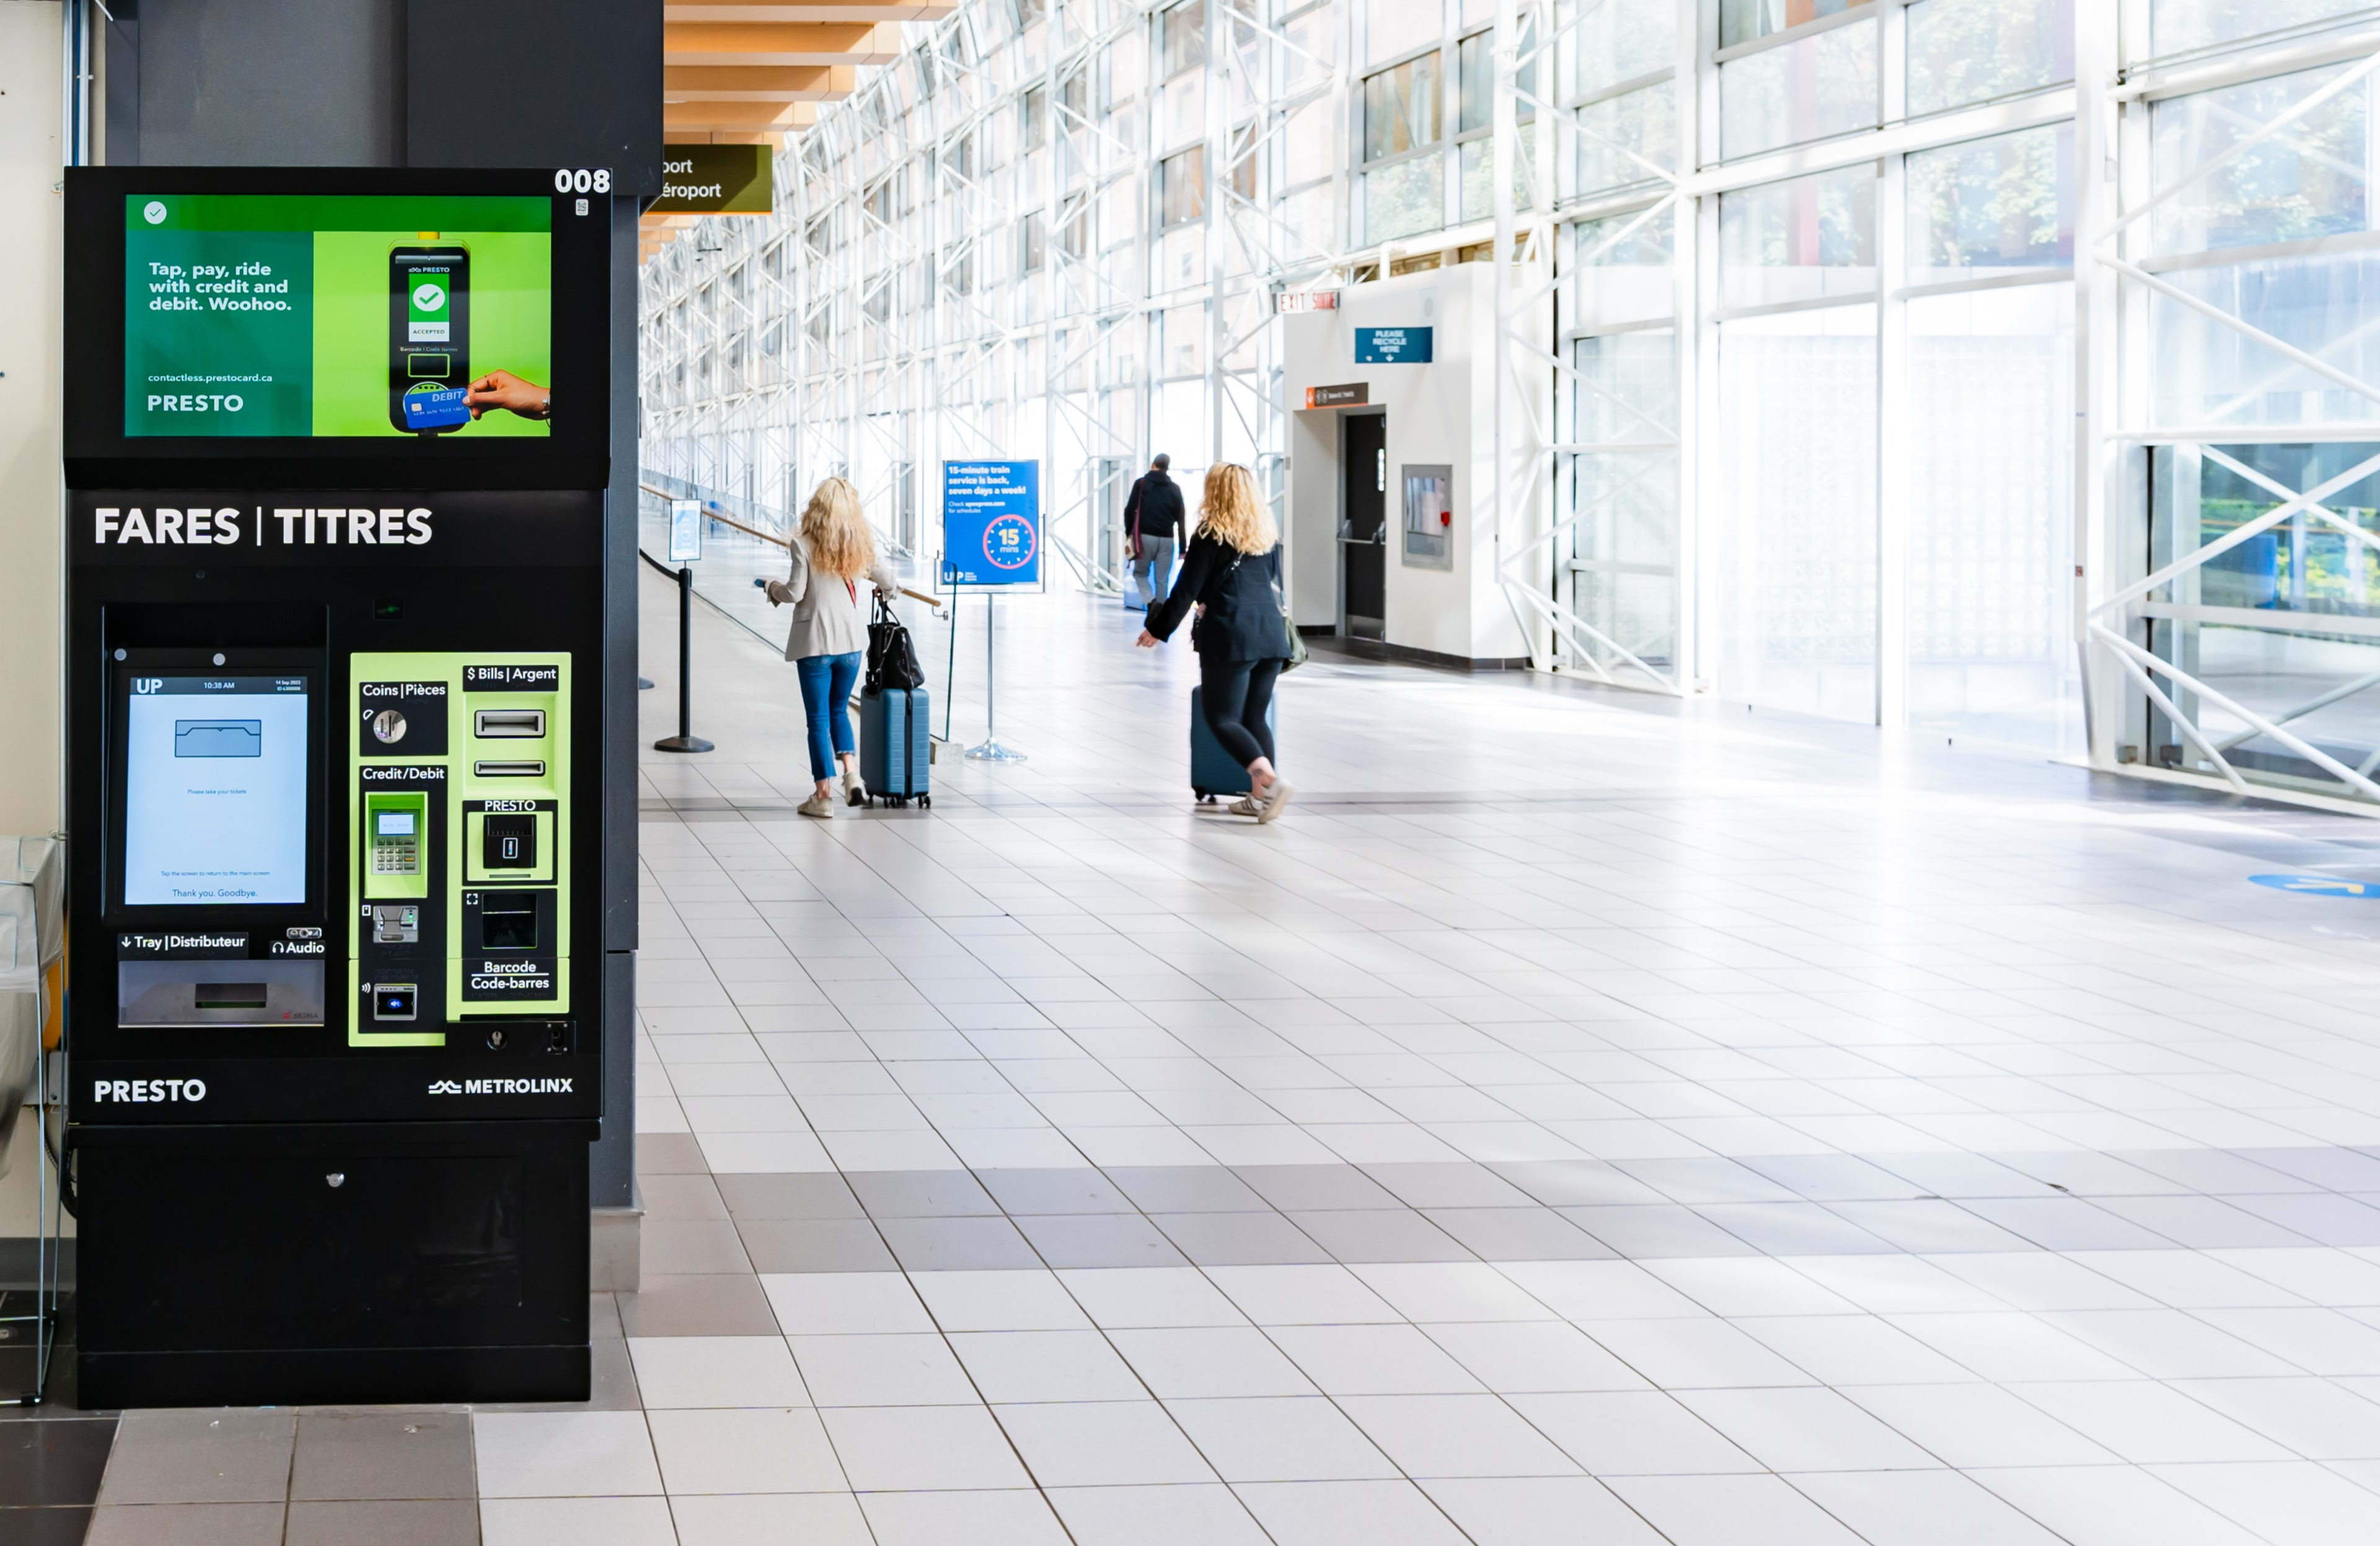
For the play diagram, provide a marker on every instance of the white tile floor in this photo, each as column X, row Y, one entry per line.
column 1578, row 1121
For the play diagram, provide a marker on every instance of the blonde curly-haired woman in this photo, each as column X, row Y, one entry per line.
column 832, row 553
column 1231, row 573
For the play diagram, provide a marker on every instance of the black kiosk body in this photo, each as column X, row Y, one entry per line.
column 334, row 771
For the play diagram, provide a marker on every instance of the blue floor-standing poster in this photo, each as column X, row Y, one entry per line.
column 991, row 524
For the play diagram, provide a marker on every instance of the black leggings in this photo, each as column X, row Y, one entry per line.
column 1237, row 695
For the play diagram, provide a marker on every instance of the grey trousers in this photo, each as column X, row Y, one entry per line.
column 1152, row 572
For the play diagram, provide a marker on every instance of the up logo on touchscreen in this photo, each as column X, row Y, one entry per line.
column 427, row 297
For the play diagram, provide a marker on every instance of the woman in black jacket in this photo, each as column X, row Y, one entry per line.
column 1232, row 574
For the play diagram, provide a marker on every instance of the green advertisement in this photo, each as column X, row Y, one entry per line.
column 346, row 314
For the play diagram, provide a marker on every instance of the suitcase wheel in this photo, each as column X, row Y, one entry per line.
column 926, row 801
column 1204, row 797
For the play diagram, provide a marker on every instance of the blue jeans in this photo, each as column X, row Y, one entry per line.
column 826, row 696
column 1153, row 570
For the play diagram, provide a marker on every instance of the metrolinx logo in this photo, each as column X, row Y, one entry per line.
column 501, row 1087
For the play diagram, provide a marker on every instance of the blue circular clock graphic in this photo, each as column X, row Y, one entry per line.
column 1008, row 542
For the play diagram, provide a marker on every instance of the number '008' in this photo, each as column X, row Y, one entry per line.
column 581, row 181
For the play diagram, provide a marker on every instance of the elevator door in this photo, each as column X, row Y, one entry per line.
column 1363, row 536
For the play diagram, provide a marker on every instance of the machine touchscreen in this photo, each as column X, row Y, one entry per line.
column 215, row 790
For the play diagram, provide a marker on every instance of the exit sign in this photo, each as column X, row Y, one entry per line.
column 1393, row 345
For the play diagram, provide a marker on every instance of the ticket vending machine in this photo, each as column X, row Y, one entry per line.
column 334, row 692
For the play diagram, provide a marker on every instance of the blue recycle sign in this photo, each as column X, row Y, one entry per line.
column 2320, row 885
column 1394, row 346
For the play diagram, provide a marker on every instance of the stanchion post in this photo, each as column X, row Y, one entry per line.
column 991, row 750
column 950, row 664
column 686, row 739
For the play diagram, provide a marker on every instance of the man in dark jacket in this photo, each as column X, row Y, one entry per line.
column 1152, row 524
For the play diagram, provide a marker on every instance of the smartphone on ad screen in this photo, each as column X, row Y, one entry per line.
column 429, row 339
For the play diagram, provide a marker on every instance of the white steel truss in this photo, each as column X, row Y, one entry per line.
column 971, row 257
column 2122, row 601
column 1533, row 257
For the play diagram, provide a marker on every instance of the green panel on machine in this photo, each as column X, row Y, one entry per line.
column 459, row 779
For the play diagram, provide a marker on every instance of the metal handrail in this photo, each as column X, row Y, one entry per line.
column 785, row 543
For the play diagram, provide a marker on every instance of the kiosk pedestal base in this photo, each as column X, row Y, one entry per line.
column 333, row 1265
column 332, row 1376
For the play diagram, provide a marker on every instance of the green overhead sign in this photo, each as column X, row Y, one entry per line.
column 716, row 179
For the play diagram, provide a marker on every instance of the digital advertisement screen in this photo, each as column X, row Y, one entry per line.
column 320, row 315
column 214, row 785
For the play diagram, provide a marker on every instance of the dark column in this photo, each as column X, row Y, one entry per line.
column 572, row 83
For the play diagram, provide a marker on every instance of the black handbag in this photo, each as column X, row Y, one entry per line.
column 891, row 658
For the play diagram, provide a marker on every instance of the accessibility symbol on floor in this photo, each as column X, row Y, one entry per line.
column 2320, row 885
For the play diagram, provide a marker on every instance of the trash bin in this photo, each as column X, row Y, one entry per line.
column 33, row 939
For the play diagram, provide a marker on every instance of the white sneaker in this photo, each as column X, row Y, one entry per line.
column 1245, row 806
column 819, row 806
column 854, row 791
column 1275, row 798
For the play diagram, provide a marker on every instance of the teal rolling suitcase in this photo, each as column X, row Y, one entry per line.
column 1212, row 771
column 896, row 748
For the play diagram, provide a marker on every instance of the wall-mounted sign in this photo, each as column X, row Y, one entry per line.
column 716, row 179
column 1353, row 394
column 1287, row 302
column 1393, row 345
column 991, row 524
column 685, row 532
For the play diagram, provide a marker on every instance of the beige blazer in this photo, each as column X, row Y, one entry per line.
column 830, row 618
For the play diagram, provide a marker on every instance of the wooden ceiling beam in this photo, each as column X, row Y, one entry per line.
column 772, row 117
column 779, row 43
column 757, row 83
column 807, row 11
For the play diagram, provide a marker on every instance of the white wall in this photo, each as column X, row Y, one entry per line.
column 32, row 211
column 1442, row 413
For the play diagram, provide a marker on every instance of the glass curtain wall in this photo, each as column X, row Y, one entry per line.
column 1887, row 525
column 1830, row 431
column 2272, row 227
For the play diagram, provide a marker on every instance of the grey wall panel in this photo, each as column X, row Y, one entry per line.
column 611, row 1178
column 620, row 580
column 271, row 83
column 537, row 84
column 119, row 44
column 612, row 1161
